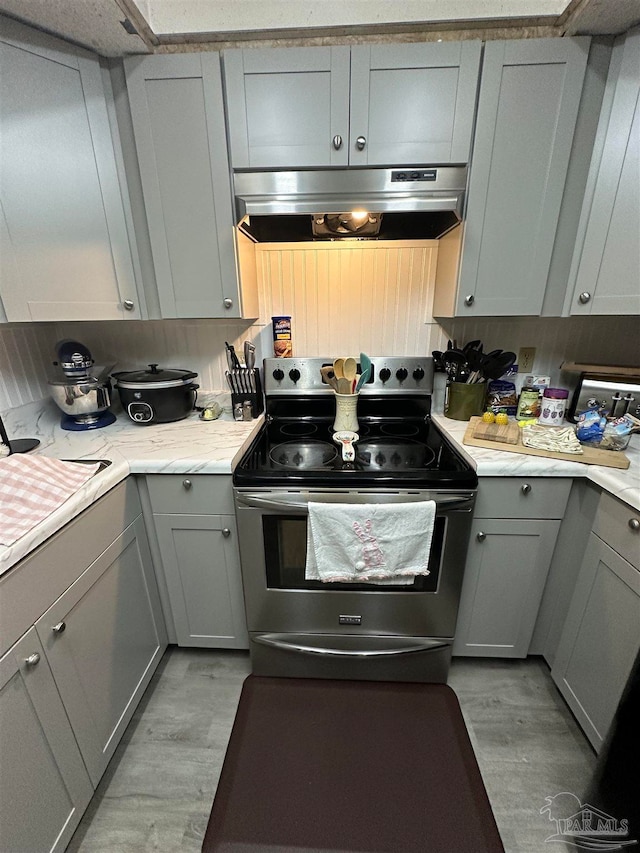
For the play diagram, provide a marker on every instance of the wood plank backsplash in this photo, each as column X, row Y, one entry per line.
column 346, row 297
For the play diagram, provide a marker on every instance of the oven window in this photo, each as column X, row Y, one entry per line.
column 285, row 541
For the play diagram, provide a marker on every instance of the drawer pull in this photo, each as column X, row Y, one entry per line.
column 634, row 524
column 187, row 484
column 32, row 660
column 525, row 488
column 60, row 628
column 481, row 536
column 226, row 532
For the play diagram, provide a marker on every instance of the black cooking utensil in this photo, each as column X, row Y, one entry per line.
column 455, row 363
column 495, row 367
column 475, row 346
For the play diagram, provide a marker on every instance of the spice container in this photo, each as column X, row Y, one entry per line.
column 529, row 403
column 554, row 404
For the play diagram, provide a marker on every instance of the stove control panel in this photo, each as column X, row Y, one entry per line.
column 390, row 375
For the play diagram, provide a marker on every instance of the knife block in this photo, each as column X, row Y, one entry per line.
column 256, row 399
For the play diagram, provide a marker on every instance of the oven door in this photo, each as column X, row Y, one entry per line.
column 272, row 532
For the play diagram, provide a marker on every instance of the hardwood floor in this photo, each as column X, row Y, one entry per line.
column 157, row 792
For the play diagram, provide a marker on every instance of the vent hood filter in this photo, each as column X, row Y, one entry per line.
column 389, row 204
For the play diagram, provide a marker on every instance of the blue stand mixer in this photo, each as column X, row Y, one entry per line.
column 82, row 393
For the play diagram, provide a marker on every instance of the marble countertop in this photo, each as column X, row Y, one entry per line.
column 189, row 446
column 193, row 446
column 623, row 484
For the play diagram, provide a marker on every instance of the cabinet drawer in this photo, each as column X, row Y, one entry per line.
column 618, row 525
column 201, row 494
column 522, row 497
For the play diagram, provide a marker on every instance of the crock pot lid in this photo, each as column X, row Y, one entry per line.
column 154, row 377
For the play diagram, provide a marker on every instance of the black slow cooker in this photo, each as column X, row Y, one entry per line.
column 156, row 396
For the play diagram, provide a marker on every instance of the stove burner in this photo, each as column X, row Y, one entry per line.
column 299, row 429
column 403, row 430
column 385, row 454
column 303, row 454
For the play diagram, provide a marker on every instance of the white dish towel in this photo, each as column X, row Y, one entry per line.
column 369, row 543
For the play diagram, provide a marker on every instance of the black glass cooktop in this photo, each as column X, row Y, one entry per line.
column 403, row 449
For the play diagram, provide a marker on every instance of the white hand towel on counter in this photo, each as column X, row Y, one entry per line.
column 32, row 487
column 369, row 543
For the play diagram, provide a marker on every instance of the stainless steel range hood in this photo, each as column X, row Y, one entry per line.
column 398, row 203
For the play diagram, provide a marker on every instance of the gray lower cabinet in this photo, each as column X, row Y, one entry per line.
column 606, row 265
column 180, row 138
column 44, row 788
column 103, row 639
column 601, row 635
column 368, row 105
column 196, row 534
column 63, row 234
column 512, row 542
column 527, row 112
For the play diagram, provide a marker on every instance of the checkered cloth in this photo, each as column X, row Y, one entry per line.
column 32, row 487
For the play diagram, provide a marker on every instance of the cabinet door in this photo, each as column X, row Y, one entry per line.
column 609, row 263
column 60, row 194
column 413, row 103
column 504, row 579
column 103, row 639
column 286, row 106
column 178, row 122
column 202, row 571
column 527, row 110
column 600, row 639
column 44, row 787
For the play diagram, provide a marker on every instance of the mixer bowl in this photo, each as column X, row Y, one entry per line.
column 83, row 401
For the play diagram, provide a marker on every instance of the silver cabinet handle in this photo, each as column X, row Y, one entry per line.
column 228, row 303
column 187, row 484
column 337, row 142
column 584, row 297
column 361, row 141
column 480, row 536
column 226, row 532
column 128, row 305
column 60, row 628
column 470, row 299
column 525, row 488
column 634, row 524
column 32, row 660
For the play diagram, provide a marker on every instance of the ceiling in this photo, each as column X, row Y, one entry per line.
column 119, row 27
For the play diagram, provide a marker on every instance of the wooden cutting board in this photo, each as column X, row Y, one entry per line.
column 506, row 433
column 590, row 456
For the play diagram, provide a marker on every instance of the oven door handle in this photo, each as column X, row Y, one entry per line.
column 278, row 641
column 288, row 502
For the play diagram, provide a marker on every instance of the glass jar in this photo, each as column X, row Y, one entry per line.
column 529, row 403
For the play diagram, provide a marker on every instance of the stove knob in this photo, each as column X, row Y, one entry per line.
column 401, row 374
column 384, row 374
column 278, row 374
column 294, row 375
column 418, row 374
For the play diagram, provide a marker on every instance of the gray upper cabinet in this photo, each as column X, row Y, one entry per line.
column 413, row 103
column 527, row 110
column 369, row 105
column 178, row 123
column 64, row 236
column 606, row 265
column 286, row 106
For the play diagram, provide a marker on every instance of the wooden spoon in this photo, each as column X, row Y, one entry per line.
column 329, row 377
column 338, row 368
column 349, row 369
